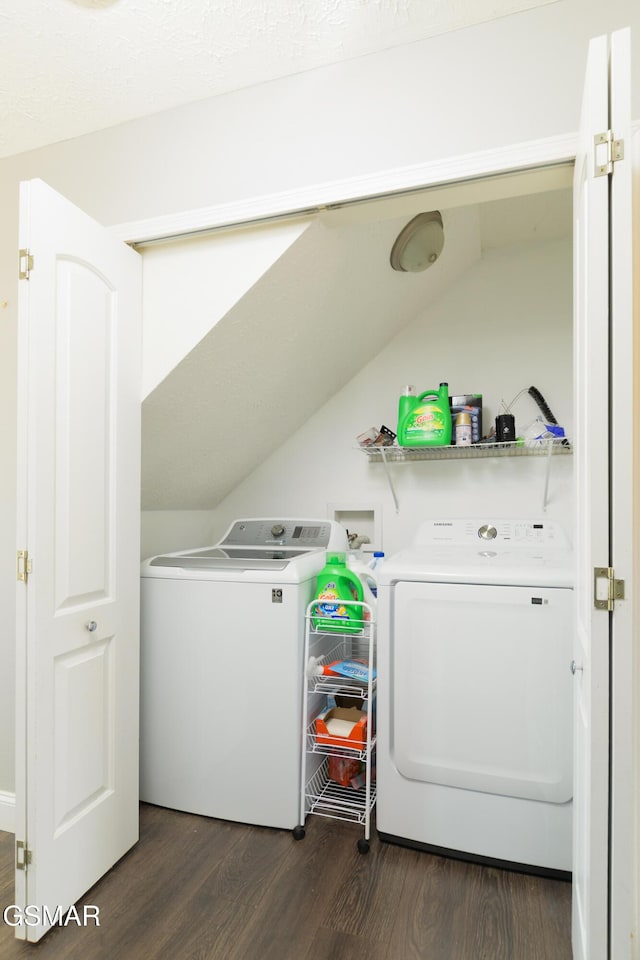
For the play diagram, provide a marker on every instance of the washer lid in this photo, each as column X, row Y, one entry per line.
column 230, row 558
column 263, row 544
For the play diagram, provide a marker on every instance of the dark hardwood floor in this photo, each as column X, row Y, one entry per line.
column 201, row 889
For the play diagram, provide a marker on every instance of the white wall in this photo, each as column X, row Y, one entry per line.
column 165, row 531
column 506, row 325
column 514, row 79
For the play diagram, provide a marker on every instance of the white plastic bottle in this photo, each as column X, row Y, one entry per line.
column 378, row 557
column 369, row 584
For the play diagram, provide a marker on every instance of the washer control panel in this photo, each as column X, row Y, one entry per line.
column 309, row 534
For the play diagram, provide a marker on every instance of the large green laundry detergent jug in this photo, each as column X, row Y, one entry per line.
column 425, row 421
column 337, row 585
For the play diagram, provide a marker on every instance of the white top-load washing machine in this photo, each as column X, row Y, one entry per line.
column 475, row 693
column 222, row 636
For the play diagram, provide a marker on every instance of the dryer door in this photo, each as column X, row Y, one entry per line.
column 482, row 695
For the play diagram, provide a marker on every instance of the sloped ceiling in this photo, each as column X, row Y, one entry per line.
column 325, row 308
column 70, row 67
column 298, row 335
column 191, row 283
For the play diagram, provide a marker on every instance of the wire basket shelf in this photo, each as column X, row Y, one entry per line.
column 477, row 451
column 329, row 799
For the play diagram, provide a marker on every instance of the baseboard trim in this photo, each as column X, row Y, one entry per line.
column 7, row 811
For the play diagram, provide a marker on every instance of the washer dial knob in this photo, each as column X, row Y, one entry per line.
column 487, row 532
column 277, row 530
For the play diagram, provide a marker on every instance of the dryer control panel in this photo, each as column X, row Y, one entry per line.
column 461, row 532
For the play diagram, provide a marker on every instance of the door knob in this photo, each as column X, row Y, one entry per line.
column 91, row 626
column 575, row 668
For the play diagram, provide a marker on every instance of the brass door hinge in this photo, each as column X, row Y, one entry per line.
column 24, row 565
column 23, row 855
column 606, row 152
column 25, row 262
column 606, row 593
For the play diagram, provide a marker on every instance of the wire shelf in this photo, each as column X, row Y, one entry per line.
column 352, row 647
column 328, row 799
column 477, row 451
column 348, row 749
column 341, row 685
column 359, row 629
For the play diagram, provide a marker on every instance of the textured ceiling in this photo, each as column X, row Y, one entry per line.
column 70, row 67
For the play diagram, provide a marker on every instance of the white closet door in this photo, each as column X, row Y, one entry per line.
column 625, row 468
column 591, row 655
column 79, row 494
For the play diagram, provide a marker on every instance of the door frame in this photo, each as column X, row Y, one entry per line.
column 525, row 163
column 535, row 157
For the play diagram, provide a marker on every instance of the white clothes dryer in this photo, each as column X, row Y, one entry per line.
column 222, row 638
column 475, row 695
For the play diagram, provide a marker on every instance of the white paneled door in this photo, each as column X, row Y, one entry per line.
column 78, row 518
column 591, row 654
column 625, row 521
column 603, row 369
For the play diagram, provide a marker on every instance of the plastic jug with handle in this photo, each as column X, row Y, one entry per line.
column 425, row 420
column 337, row 585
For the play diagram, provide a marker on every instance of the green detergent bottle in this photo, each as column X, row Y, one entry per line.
column 337, row 584
column 425, row 421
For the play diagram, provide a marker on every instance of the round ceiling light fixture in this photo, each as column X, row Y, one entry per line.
column 419, row 244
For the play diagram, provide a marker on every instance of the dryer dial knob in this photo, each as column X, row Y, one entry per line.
column 277, row 530
column 487, row 532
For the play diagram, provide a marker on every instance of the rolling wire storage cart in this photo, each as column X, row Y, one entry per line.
column 338, row 765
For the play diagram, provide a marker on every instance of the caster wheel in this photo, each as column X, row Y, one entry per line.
column 298, row 833
column 363, row 846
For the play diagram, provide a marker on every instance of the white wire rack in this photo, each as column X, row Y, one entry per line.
column 337, row 747
column 320, row 794
column 328, row 799
column 477, row 451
